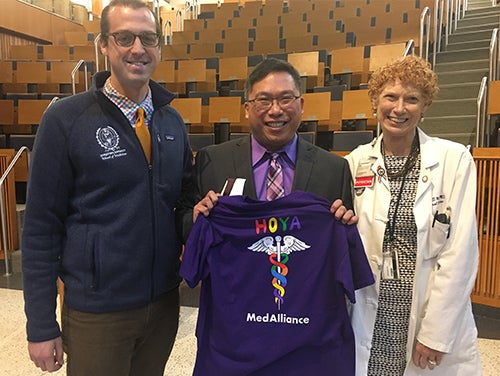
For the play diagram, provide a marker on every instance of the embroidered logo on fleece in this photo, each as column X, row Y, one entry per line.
column 109, row 140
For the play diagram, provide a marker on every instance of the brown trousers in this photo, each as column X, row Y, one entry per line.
column 136, row 342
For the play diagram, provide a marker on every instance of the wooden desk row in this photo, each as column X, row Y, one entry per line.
column 345, row 60
column 318, row 107
column 20, row 117
column 34, row 72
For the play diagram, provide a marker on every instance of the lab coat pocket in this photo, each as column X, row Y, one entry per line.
column 439, row 234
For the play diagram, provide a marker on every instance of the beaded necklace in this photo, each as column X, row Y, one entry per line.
column 410, row 160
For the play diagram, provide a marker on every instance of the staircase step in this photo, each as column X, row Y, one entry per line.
column 478, row 27
column 459, row 36
column 471, row 75
column 485, row 43
column 453, row 107
column 465, row 139
column 460, row 129
column 484, row 8
column 458, row 91
column 462, row 65
column 461, row 55
column 478, row 19
column 449, row 124
column 460, row 69
column 487, row 29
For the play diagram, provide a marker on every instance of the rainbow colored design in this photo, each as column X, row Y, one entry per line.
column 278, row 256
column 279, row 271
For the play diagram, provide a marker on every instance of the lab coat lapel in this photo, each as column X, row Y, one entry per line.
column 428, row 160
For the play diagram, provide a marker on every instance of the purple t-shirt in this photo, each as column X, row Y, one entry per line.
column 275, row 276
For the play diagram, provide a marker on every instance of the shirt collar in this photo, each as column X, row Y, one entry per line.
column 128, row 106
column 288, row 152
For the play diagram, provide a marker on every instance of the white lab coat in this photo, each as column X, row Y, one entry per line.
column 441, row 315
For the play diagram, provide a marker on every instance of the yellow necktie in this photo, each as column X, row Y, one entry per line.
column 142, row 133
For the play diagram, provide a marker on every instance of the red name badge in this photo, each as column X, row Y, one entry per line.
column 363, row 181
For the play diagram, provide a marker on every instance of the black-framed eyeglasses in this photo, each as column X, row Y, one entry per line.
column 126, row 38
column 265, row 103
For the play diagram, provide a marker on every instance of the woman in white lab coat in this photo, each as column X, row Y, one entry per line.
column 415, row 198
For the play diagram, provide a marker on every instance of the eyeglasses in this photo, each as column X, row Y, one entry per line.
column 265, row 104
column 127, row 38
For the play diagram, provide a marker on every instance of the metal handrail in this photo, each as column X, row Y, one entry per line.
column 54, row 99
column 426, row 14
column 439, row 25
column 75, row 71
column 437, row 31
column 481, row 112
column 448, row 22
column 2, row 204
column 494, row 55
column 96, row 47
column 196, row 8
column 188, row 10
column 409, row 46
column 167, row 34
column 156, row 7
column 178, row 21
column 96, row 50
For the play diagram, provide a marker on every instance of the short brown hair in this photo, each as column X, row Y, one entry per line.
column 134, row 4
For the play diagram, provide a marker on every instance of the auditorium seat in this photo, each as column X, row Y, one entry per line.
column 16, row 141
column 356, row 109
column 222, row 112
column 205, row 100
column 308, row 136
column 235, row 135
column 233, row 72
column 6, row 72
column 7, row 112
column 189, row 109
column 29, row 112
column 349, row 140
column 200, row 140
column 336, row 96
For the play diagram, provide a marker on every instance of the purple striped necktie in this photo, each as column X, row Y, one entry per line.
column 275, row 187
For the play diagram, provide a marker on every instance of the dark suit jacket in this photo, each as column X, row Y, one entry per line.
column 316, row 171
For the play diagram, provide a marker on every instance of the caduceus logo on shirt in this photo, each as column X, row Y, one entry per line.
column 278, row 256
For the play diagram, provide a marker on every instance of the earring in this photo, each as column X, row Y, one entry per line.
column 422, row 118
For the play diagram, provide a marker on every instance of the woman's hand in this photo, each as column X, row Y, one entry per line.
column 424, row 356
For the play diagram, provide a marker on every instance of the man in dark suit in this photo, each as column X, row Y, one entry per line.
column 273, row 107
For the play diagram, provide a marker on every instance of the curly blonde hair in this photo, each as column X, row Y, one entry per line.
column 409, row 70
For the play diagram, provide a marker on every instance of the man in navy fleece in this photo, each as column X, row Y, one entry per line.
column 101, row 213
